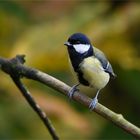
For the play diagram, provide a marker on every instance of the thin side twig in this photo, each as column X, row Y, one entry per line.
column 35, row 107
column 16, row 79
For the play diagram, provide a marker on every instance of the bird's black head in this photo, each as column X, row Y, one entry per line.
column 78, row 38
column 80, row 43
column 79, row 47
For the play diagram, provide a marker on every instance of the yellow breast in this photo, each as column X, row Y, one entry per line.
column 94, row 73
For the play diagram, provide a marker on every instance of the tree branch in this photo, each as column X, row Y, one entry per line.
column 36, row 107
column 56, row 84
column 16, row 79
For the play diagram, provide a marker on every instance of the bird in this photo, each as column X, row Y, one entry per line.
column 90, row 64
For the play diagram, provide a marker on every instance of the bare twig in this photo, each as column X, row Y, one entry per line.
column 56, row 84
column 16, row 79
column 36, row 107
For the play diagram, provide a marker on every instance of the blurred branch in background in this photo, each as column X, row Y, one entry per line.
column 15, row 68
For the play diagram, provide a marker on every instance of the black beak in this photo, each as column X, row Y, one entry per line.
column 67, row 44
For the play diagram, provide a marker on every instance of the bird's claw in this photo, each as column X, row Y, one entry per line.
column 93, row 103
column 72, row 90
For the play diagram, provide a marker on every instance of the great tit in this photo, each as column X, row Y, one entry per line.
column 92, row 67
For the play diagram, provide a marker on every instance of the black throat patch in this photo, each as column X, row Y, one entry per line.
column 76, row 58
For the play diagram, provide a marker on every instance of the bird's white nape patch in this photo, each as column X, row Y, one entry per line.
column 81, row 48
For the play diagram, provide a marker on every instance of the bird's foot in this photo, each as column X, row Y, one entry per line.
column 72, row 90
column 93, row 103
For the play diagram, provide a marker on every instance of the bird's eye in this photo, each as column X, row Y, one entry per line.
column 78, row 42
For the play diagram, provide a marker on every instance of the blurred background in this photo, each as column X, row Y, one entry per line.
column 39, row 29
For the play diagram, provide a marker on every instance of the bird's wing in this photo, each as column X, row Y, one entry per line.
column 105, row 63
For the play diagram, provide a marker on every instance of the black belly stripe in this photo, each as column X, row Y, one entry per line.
column 76, row 58
column 81, row 78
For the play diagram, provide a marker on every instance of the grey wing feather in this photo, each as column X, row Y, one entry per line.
column 105, row 63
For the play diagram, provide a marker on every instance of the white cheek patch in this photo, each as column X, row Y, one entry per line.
column 81, row 48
